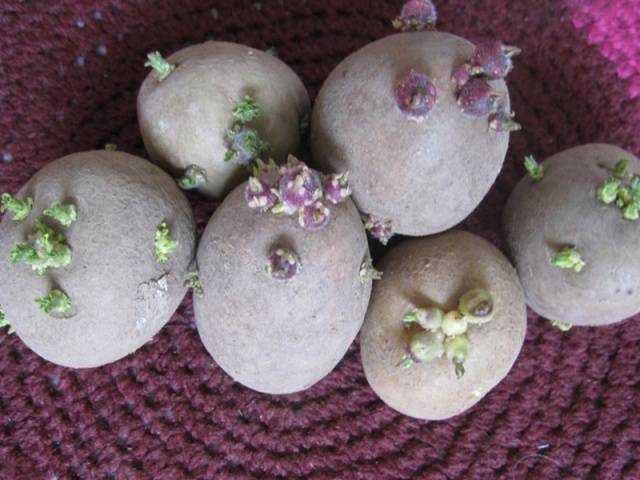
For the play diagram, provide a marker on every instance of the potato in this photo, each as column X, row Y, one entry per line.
column 280, row 331
column 563, row 210
column 120, row 294
column 184, row 118
column 423, row 171
column 436, row 272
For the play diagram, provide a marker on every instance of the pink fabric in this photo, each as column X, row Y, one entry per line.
column 69, row 73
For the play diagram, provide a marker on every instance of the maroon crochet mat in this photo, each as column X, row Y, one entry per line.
column 69, row 74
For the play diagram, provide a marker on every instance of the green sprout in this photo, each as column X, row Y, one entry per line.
column 164, row 244
column 194, row 177
column 193, row 282
column 65, row 214
column 620, row 168
column 608, row 192
column 20, row 208
column 247, row 110
column 4, row 322
column 110, row 147
column 47, row 249
column 457, row 349
column 477, row 306
column 568, row 257
column 55, row 302
column 536, row 171
column 428, row 318
column 368, row 271
column 160, row 65
column 244, row 145
column 562, row 326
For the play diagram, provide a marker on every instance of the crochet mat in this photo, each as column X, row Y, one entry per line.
column 569, row 409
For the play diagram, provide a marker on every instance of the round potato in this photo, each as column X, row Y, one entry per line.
column 270, row 334
column 120, row 294
column 561, row 211
column 423, row 174
column 436, row 272
column 185, row 117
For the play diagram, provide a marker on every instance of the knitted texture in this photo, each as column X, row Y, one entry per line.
column 569, row 409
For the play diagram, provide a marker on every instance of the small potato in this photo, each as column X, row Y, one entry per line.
column 281, row 303
column 120, row 295
column 185, row 117
column 436, row 272
column 422, row 173
column 562, row 210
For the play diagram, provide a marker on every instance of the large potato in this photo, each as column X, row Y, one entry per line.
column 424, row 176
column 271, row 335
column 121, row 294
column 436, row 272
column 563, row 210
column 184, row 118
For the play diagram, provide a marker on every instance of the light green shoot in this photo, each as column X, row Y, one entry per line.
column 568, row 257
column 368, row 271
column 631, row 211
column 160, row 65
column 247, row 110
column 164, row 244
column 608, row 192
column 20, row 208
column 65, row 214
column 536, row 171
column 193, row 282
column 562, row 326
column 46, row 250
column 110, row 147
column 56, row 302
column 194, row 177
column 620, row 168
column 4, row 321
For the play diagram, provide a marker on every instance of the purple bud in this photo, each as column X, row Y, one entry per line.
column 314, row 217
column 336, row 187
column 416, row 15
column 503, row 121
column 283, row 264
column 461, row 75
column 415, row 94
column 493, row 59
column 259, row 195
column 379, row 228
column 476, row 98
column 300, row 186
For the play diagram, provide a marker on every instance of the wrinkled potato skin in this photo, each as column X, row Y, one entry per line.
column 436, row 271
column 183, row 119
column 427, row 176
column 120, row 200
column 273, row 336
column 563, row 209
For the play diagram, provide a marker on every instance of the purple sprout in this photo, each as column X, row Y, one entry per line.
column 493, row 59
column 503, row 121
column 336, row 187
column 477, row 98
column 314, row 217
column 416, row 15
column 379, row 228
column 259, row 194
column 461, row 75
column 415, row 95
column 283, row 264
column 300, row 187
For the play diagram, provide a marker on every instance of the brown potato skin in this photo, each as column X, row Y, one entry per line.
column 563, row 209
column 184, row 118
column 120, row 200
column 427, row 176
column 436, row 271
column 273, row 336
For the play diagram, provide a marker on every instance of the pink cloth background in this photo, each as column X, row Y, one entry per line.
column 69, row 73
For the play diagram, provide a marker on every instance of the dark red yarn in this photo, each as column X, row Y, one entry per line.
column 69, row 73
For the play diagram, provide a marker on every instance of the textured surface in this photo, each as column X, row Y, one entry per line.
column 69, row 73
